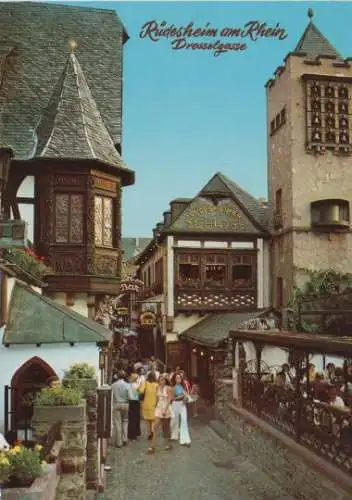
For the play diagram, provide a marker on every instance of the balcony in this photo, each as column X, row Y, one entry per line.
column 330, row 215
column 277, row 220
column 152, row 290
column 216, row 299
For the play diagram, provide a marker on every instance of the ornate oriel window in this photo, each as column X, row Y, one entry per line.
column 243, row 271
column 69, row 211
column 328, row 116
column 104, row 221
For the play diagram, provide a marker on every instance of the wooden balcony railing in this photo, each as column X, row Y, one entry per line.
column 214, row 299
column 152, row 290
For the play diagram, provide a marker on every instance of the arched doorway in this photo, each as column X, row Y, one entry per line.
column 29, row 379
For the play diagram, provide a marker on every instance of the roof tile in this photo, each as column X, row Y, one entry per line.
column 71, row 125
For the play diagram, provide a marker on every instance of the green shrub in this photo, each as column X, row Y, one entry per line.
column 80, row 370
column 58, row 396
column 26, row 464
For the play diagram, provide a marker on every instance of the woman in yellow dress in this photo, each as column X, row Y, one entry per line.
column 149, row 390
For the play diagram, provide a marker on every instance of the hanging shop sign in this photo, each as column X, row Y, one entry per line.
column 122, row 311
column 131, row 286
column 147, row 319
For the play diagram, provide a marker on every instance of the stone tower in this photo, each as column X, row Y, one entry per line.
column 309, row 162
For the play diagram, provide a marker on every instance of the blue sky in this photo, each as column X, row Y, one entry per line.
column 188, row 114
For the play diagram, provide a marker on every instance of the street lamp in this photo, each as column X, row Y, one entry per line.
column 6, row 155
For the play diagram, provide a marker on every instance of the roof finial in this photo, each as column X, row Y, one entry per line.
column 310, row 13
column 72, row 45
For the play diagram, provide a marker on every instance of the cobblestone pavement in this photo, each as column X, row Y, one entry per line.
column 209, row 470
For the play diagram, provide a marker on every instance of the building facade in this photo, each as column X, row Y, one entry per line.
column 309, row 163
column 210, row 255
column 61, row 117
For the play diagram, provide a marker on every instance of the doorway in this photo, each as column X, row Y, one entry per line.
column 27, row 381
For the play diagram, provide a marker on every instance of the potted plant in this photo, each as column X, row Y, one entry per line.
column 81, row 376
column 5, row 468
column 57, row 404
column 26, row 465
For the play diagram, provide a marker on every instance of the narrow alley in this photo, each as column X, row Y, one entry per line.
column 209, row 470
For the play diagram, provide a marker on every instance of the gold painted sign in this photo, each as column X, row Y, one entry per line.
column 122, row 311
column 147, row 319
column 104, row 184
column 214, row 217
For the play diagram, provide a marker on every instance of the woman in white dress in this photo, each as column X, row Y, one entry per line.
column 179, row 423
column 163, row 414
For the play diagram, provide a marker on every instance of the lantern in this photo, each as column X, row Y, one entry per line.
column 101, row 360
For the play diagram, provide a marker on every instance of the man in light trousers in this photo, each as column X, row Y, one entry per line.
column 121, row 395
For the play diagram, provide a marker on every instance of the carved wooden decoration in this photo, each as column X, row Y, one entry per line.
column 69, row 263
column 106, row 265
column 76, row 221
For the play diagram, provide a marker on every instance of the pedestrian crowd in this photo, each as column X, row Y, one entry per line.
column 159, row 397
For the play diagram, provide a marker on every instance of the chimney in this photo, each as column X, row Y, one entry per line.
column 167, row 218
column 177, row 206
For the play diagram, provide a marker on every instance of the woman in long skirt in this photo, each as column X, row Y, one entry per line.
column 179, row 422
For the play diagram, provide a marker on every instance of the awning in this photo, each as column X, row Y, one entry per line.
column 215, row 328
column 34, row 319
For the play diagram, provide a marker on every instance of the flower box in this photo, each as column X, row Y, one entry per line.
column 42, row 488
column 52, row 414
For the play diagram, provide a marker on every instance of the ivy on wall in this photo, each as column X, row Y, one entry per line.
column 320, row 284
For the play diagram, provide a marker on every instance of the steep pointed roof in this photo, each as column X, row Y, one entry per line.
column 314, row 43
column 71, row 126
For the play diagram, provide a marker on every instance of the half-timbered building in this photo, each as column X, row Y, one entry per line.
column 61, row 119
column 208, row 261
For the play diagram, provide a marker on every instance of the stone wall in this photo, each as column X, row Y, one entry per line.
column 272, row 455
column 72, row 483
column 92, row 470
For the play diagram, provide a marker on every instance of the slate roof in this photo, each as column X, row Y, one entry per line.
column 254, row 207
column 221, row 186
column 71, row 126
column 133, row 246
column 215, row 328
column 315, row 44
column 40, row 34
column 35, row 319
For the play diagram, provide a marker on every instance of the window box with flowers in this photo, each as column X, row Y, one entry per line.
column 81, row 376
column 24, row 474
column 28, row 261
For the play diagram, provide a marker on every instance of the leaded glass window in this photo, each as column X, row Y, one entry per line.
column 104, row 221
column 69, row 209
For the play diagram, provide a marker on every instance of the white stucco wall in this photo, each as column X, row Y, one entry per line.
column 170, row 275
column 11, row 283
column 59, row 357
column 80, row 305
column 266, row 273
column 26, row 189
